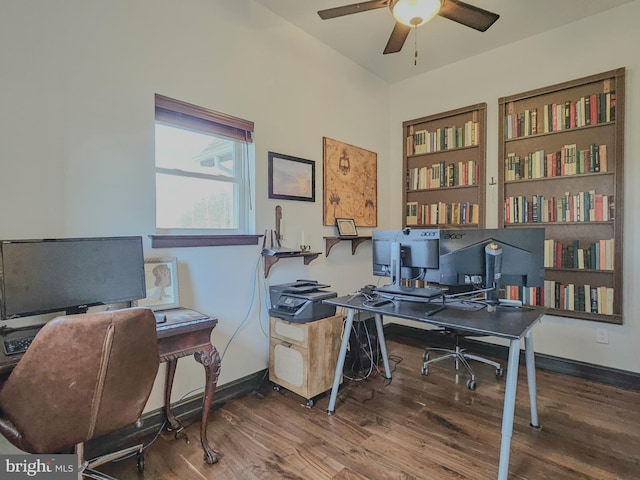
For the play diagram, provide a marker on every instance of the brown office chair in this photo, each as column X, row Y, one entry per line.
column 83, row 376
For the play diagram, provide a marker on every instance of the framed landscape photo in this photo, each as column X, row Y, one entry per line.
column 346, row 227
column 161, row 278
column 291, row 178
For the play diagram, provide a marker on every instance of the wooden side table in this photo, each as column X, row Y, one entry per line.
column 187, row 332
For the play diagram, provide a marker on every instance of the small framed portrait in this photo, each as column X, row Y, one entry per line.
column 346, row 227
column 161, row 278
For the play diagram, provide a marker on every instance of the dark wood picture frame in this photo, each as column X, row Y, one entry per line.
column 291, row 178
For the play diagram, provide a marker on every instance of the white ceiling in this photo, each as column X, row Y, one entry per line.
column 363, row 36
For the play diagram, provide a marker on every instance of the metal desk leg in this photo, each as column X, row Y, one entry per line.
column 531, row 378
column 383, row 345
column 340, row 363
column 508, row 411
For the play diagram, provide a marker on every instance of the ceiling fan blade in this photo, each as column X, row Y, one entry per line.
column 396, row 40
column 468, row 15
column 353, row 8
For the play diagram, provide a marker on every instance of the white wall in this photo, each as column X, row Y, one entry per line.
column 77, row 80
column 77, row 84
column 595, row 44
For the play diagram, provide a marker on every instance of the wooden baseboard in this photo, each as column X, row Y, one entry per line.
column 187, row 410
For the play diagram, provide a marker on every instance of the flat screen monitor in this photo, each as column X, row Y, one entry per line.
column 417, row 252
column 490, row 258
column 43, row 276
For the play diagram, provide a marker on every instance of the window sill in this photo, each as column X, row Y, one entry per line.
column 167, row 241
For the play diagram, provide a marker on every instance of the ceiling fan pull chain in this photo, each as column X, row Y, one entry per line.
column 415, row 45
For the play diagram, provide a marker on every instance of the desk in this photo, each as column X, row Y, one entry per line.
column 186, row 332
column 505, row 322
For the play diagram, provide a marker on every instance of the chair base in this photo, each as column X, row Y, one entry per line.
column 461, row 358
column 87, row 467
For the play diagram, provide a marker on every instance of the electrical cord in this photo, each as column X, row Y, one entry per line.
column 246, row 317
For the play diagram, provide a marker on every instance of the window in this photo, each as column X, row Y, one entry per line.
column 203, row 169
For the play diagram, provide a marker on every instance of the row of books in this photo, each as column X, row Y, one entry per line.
column 579, row 207
column 445, row 138
column 441, row 213
column 442, row 175
column 578, row 298
column 567, row 161
column 588, row 110
column 597, row 255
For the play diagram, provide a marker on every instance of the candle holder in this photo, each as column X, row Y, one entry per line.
column 305, row 248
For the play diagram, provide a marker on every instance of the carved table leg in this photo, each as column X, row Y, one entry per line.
column 174, row 423
column 210, row 360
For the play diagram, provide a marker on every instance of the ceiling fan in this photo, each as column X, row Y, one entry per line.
column 413, row 13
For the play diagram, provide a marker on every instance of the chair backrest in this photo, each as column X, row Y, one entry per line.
column 83, row 376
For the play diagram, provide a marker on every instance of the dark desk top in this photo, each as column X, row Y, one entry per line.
column 179, row 321
column 183, row 319
column 505, row 322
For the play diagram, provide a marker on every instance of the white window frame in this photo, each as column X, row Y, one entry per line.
column 180, row 114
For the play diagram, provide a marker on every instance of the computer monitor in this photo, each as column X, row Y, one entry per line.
column 43, row 276
column 486, row 259
column 405, row 254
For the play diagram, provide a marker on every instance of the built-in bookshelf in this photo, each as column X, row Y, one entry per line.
column 561, row 159
column 444, row 169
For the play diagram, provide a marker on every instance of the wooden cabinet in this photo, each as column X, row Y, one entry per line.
column 444, row 169
column 303, row 356
column 561, row 167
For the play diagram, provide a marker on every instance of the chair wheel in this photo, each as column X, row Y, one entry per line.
column 471, row 384
column 140, row 462
column 276, row 388
column 309, row 403
column 425, row 357
column 425, row 371
column 499, row 373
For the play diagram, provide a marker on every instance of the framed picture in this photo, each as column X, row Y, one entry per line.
column 161, row 277
column 346, row 227
column 350, row 184
column 292, row 178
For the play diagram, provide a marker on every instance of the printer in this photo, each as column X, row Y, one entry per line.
column 301, row 301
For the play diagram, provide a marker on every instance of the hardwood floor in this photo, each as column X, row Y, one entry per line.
column 415, row 427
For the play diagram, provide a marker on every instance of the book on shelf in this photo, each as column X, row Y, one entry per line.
column 587, row 110
column 596, row 255
column 412, row 213
column 569, row 160
column 445, row 138
column 441, row 213
column 585, row 206
column 578, row 298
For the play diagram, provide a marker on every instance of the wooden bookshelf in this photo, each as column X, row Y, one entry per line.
column 444, row 169
column 561, row 163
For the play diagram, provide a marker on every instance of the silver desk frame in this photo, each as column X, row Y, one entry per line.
column 514, row 324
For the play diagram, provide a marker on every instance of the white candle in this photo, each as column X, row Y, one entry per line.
column 302, row 239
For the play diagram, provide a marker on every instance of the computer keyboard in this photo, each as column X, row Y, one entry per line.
column 425, row 292
column 15, row 346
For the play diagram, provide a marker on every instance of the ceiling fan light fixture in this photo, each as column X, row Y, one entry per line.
column 414, row 13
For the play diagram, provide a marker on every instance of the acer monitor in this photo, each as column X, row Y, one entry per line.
column 488, row 259
column 405, row 254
